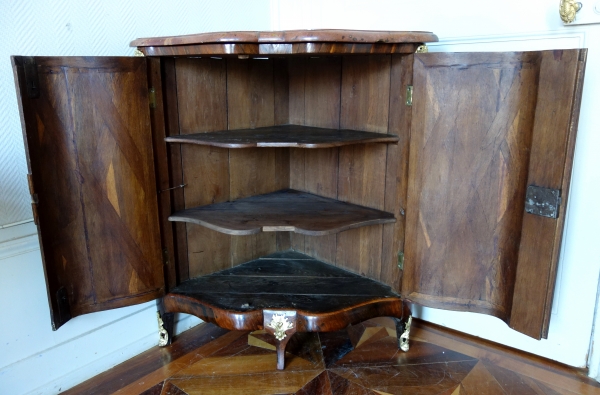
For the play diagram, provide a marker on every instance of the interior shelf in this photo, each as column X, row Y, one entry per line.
column 285, row 210
column 285, row 280
column 284, row 136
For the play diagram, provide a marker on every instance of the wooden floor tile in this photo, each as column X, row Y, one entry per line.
column 362, row 360
column 319, row 385
column 255, row 384
column 422, row 379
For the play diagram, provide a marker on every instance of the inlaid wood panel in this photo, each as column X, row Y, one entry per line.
column 363, row 359
column 471, row 137
column 93, row 179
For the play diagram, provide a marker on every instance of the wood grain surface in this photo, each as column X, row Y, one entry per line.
column 550, row 165
column 396, row 177
column 93, row 180
column 205, row 170
column 472, row 157
column 365, row 95
column 283, row 136
column 315, row 85
column 468, row 166
column 290, row 36
column 251, row 50
column 325, row 297
column 363, row 359
column 286, row 210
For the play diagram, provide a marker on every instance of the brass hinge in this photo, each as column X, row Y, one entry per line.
column 409, row 95
column 401, row 260
column 422, row 49
column 165, row 253
column 152, row 97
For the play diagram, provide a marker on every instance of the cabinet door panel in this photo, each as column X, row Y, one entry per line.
column 89, row 151
column 483, row 128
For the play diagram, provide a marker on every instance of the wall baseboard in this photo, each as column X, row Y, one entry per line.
column 86, row 346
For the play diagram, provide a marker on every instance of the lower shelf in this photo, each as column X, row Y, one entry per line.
column 325, row 298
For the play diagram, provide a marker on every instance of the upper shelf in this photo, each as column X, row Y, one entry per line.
column 284, row 136
column 285, row 210
column 329, row 41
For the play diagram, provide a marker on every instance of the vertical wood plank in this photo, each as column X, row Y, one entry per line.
column 297, row 75
column 555, row 127
column 175, row 169
column 315, row 170
column 396, row 178
column 157, row 120
column 281, row 88
column 251, row 104
column 202, row 102
column 362, row 168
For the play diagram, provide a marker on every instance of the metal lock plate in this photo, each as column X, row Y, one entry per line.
column 542, row 201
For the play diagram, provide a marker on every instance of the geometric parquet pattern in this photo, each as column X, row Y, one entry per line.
column 362, row 360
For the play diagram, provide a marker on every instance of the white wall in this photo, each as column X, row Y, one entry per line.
column 475, row 25
column 33, row 358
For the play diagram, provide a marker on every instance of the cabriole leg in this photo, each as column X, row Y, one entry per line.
column 282, row 325
column 165, row 325
column 403, row 327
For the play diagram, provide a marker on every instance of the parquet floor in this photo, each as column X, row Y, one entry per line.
column 363, row 360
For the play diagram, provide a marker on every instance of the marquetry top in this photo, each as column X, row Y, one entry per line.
column 291, row 36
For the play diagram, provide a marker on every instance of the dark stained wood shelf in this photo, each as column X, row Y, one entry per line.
column 325, row 297
column 285, row 210
column 284, row 136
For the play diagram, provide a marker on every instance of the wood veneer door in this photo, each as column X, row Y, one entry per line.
column 484, row 127
column 86, row 124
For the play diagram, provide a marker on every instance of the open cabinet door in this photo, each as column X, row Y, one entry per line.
column 86, row 125
column 486, row 127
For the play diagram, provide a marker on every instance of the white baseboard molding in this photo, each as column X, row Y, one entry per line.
column 86, row 346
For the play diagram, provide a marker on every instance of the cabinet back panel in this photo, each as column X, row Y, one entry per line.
column 177, row 196
column 251, row 104
column 470, row 145
column 315, row 85
column 202, row 107
column 221, row 94
column 334, row 92
column 365, row 95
